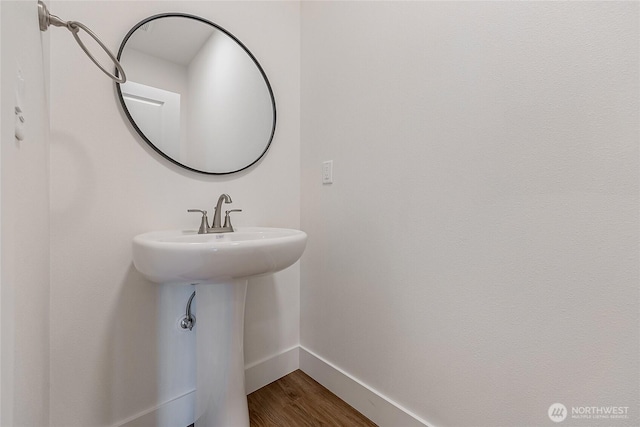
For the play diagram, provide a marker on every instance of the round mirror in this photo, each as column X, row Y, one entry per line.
column 196, row 94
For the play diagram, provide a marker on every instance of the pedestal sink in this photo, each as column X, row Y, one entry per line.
column 219, row 265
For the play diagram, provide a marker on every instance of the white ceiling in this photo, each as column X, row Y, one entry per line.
column 160, row 38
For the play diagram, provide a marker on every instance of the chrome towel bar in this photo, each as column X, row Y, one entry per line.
column 46, row 19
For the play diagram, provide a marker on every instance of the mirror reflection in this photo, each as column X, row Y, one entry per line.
column 196, row 94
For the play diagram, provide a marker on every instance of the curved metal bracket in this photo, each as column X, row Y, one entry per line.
column 188, row 320
column 46, row 19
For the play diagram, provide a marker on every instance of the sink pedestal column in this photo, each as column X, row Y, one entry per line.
column 220, row 395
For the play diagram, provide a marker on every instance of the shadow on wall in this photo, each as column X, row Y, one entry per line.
column 265, row 332
column 75, row 173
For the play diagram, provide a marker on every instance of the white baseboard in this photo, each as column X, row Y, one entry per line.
column 176, row 412
column 270, row 369
column 179, row 412
column 373, row 405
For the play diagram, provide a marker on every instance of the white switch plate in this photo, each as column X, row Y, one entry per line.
column 327, row 172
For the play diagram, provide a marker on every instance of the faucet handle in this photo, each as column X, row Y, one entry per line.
column 227, row 218
column 204, row 222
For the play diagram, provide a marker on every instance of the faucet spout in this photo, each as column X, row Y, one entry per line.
column 217, row 216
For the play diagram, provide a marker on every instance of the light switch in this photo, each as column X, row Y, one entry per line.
column 327, row 172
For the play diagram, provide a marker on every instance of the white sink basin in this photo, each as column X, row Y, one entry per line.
column 183, row 256
column 225, row 260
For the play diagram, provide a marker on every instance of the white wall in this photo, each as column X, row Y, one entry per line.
column 115, row 349
column 25, row 224
column 476, row 258
column 155, row 71
column 226, row 91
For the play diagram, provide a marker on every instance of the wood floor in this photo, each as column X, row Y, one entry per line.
column 297, row 400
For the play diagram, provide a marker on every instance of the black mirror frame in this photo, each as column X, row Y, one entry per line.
column 253, row 58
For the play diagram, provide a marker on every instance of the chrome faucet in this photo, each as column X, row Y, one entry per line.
column 217, row 226
column 217, row 221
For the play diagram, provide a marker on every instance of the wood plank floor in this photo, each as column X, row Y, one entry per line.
column 297, row 400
